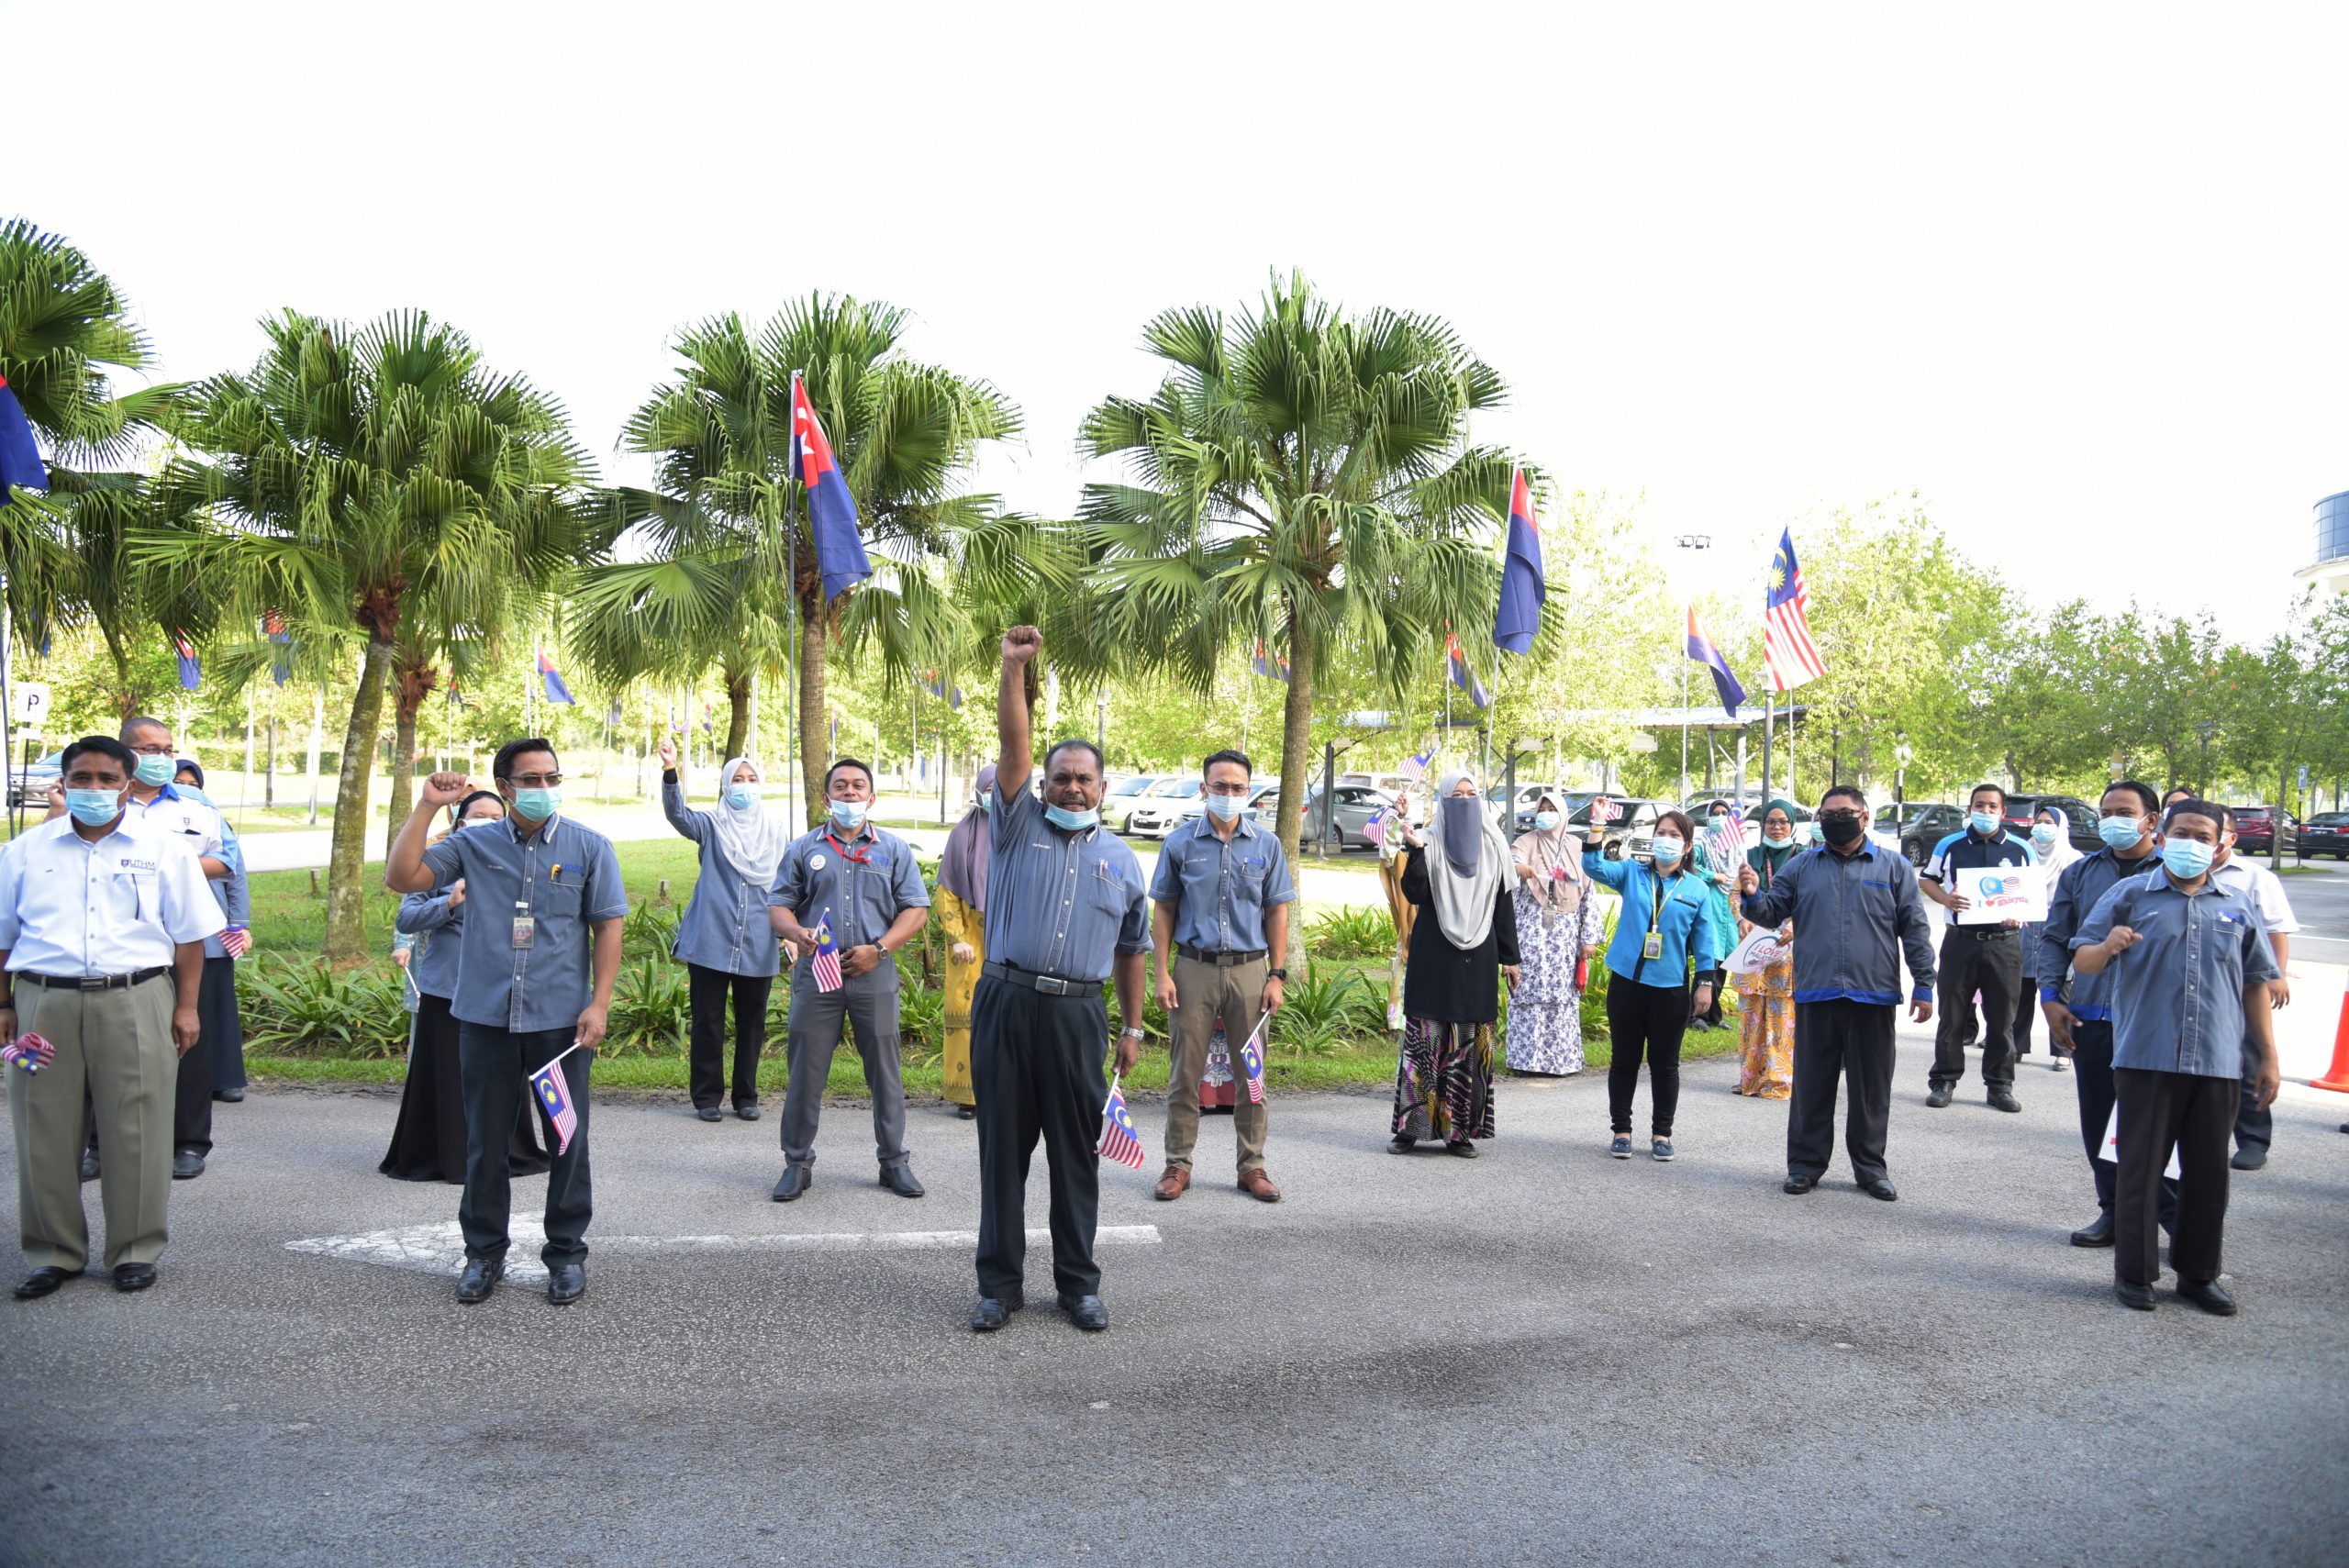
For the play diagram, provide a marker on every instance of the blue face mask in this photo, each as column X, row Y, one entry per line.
column 1985, row 822
column 93, row 807
column 2120, row 832
column 1667, row 851
column 1075, row 821
column 1546, row 820
column 742, row 796
column 156, row 771
column 849, row 814
column 2188, row 859
column 536, row 805
column 1226, row 806
column 2043, row 835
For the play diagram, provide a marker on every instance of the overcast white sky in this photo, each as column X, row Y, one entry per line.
column 2074, row 274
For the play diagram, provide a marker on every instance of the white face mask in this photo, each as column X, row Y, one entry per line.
column 1668, row 851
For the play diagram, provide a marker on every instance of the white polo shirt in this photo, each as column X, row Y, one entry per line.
column 2266, row 891
column 75, row 909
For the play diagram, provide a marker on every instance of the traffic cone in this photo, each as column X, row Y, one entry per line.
column 2336, row 1078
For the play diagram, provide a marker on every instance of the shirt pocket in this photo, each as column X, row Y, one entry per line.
column 134, row 897
column 1106, row 890
column 562, row 891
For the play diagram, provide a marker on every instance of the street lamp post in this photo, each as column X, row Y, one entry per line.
column 1687, row 542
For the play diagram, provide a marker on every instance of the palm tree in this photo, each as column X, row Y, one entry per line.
column 728, row 548
column 1302, row 476
column 381, row 482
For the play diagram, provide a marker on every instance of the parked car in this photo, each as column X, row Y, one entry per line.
column 2326, row 833
column 1124, row 795
column 1357, row 805
column 1195, row 805
column 1892, row 822
column 1634, row 819
column 1530, row 796
column 1934, row 823
column 2255, row 828
column 1154, row 814
column 31, row 785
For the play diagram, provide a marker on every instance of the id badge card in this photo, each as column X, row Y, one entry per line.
column 1654, row 946
column 526, row 926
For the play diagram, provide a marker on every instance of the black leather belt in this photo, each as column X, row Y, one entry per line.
column 1050, row 984
column 1221, row 960
column 91, row 982
column 1986, row 933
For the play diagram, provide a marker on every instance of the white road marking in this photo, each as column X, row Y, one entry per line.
column 439, row 1248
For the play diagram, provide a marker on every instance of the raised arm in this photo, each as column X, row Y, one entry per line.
column 1014, row 742
column 404, row 867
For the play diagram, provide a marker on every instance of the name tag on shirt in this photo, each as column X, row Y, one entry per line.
column 526, row 930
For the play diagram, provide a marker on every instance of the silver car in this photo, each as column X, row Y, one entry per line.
column 1124, row 795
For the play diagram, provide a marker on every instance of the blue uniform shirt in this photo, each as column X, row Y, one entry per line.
column 440, row 933
column 1220, row 888
column 2076, row 893
column 2177, row 994
column 1060, row 903
column 1678, row 905
column 862, row 882
column 724, row 926
column 564, row 876
column 1854, row 916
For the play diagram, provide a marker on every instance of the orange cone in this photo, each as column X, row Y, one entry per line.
column 2336, row 1078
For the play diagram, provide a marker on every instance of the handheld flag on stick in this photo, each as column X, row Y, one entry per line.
column 191, row 673
column 1522, row 587
column 1119, row 1142
column 21, row 462
column 1705, row 651
column 1729, row 843
column 1603, row 811
column 1461, row 676
column 554, row 1094
column 557, row 691
column 1787, row 651
column 29, row 1052
column 826, row 964
column 831, row 510
column 1415, row 767
column 1251, row 1061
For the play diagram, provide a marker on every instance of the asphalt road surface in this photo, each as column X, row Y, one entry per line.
column 1540, row 1356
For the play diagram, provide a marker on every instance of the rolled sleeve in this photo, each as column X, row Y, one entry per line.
column 607, row 897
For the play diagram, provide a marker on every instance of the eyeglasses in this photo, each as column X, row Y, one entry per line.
column 1839, row 817
column 534, row 781
column 153, row 751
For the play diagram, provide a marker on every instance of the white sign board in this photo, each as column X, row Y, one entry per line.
column 1758, row 951
column 1998, row 894
column 28, row 703
column 2110, row 1153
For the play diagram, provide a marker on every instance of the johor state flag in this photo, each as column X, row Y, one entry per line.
column 191, row 673
column 1265, row 664
column 1119, row 1142
column 554, row 1095
column 20, row 458
column 826, row 964
column 1702, row 649
column 556, row 690
column 1463, row 676
column 1522, row 587
column 831, row 510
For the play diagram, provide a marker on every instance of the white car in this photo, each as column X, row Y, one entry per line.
column 1155, row 815
column 1194, row 806
column 1124, row 795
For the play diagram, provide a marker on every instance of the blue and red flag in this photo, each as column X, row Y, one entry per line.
column 1265, row 664
column 552, row 680
column 826, row 964
column 831, row 510
column 1251, row 1061
column 1522, row 586
column 1463, row 676
column 1789, row 655
column 1415, row 766
column 19, row 457
column 29, row 1052
column 1706, row 652
column 554, row 1094
column 191, row 673
column 1119, row 1142
column 273, row 628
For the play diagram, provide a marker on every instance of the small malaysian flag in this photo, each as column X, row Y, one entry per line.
column 1251, row 1061
column 1119, row 1142
column 29, row 1052
column 1603, row 811
column 826, row 964
column 1375, row 830
column 1416, row 768
column 554, row 1095
column 1729, row 842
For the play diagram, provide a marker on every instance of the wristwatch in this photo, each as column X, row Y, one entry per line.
column 1280, row 974
column 1134, row 1029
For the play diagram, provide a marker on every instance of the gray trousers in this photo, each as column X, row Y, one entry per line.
column 869, row 1003
column 119, row 1045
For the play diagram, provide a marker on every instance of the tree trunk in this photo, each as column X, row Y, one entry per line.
column 411, row 686
column 814, row 741
column 347, row 860
column 740, row 691
column 1297, row 771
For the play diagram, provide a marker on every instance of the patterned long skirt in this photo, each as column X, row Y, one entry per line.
column 1767, row 1035
column 1443, row 1085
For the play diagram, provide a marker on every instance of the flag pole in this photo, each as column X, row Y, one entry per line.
column 791, row 592
column 1688, row 621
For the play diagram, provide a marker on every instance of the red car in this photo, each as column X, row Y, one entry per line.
column 2255, row 830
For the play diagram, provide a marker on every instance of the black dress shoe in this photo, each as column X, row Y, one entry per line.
column 748, row 1111
column 1881, row 1189
column 993, row 1311
column 1460, row 1147
column 1937, row 1096
column 566, row 1282
column 899, row 1179
column 2098, row 1232
column 89, row 1164
column 2208, row 1294
column 2004, row 1100
column 233, row 1097
column 709, row 1113
column 1800, row 1184
column 186, row 1164
column 480, row 1277
column 2138, row 1297
column 1085, row 1311
column 966, row 1113
column 1402, row 1145
column 41, row 1282
column 2248, row 1159
column 133, row 1276
column 795, row 1180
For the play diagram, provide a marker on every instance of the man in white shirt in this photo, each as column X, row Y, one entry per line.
column 2255, row 1124
column 103, row 918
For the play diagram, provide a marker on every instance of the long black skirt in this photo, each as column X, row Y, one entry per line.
column 429, row 1141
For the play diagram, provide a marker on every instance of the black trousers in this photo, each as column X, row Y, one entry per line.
column 1992, row 965
column 1644, row 1020
column 2092, row 1075
column 1036, row 1068
column 2026, row 1014
column 495, row 1065
column 2159, row 1109
column 2254, row 1127
column 1851, row 1042
column 709, row 988
column 218, row 1004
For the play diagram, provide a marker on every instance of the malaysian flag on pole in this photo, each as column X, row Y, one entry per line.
column 1119, row 1142
column 554, row 1096
column 29, row 1052
column 826, row 964
column 1251, row 1061
column 1787, row 651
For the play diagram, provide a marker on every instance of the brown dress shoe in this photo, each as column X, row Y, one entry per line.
column 1172, row 1184
column 1258, row 1185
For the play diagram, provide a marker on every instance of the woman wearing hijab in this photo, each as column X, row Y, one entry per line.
column 216, row 1004
column 1557, row 928
column 2051, row 849
column 961, row 911
column 1720, row 875
column 1458, row 872
column 724, row 938
column 1766, row 1052
column 428, row 1140
column 1662, row 925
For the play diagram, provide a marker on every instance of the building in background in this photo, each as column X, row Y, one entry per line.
column 2331, row 572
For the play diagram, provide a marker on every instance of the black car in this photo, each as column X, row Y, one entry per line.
column 2326, row 833
column 1934, row 823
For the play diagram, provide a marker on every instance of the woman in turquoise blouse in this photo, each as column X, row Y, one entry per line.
column 1665, row 921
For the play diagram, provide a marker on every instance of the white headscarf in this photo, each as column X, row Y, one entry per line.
column 2053, row 862
column 752, row 841
column 1463, row 900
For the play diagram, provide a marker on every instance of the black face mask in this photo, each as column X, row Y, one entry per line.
column 1839, row 830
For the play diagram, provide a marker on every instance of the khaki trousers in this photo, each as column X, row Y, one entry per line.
column 1204, row 992
column 118, row 1044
